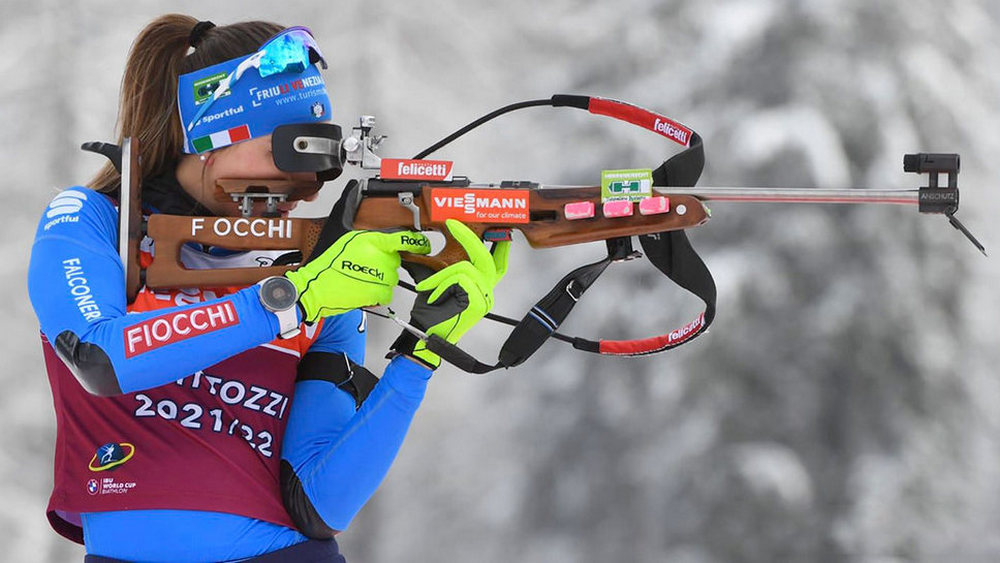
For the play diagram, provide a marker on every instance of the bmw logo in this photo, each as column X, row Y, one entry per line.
column 93, row 486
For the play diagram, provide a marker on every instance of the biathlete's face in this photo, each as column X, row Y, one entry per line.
column 217, row 120
column 250, row 159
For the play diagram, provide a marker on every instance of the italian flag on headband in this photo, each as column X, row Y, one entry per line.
column 221, row 139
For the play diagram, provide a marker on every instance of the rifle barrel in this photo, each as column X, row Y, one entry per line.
column 796, row 195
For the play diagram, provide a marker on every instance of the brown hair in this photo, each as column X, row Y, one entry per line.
column 147, row 109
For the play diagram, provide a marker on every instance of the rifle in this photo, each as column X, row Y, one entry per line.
column 654, row 205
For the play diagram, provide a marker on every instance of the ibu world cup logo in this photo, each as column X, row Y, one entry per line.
column 110, row 456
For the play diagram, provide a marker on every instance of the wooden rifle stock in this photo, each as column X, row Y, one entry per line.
column 547, row 226
column 171, row 232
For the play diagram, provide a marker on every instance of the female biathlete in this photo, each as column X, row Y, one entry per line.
column 231, row 423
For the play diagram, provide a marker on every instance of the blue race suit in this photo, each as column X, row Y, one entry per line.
column 170, row 456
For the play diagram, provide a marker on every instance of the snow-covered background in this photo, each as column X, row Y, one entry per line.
column 845, row 405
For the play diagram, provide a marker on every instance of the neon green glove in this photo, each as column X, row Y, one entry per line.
column 454, row 299
column 358, row 270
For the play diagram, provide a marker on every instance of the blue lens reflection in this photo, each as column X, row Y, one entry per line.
column 284, row 54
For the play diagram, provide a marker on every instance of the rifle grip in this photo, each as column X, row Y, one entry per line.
column 451, row 253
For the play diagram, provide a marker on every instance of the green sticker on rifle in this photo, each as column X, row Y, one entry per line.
column 626, row 185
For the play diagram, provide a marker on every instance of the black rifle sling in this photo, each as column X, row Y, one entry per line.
column 670, row 252
column 673, row 255
column 549, row 313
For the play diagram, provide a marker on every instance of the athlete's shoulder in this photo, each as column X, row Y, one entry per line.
column 78, row 208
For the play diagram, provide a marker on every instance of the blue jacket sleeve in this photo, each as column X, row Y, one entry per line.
column 343, row 334
column 340, row 454
column 319, row 409
column 76, row 286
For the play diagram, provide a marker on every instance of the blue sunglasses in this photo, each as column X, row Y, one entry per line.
column 290, row 51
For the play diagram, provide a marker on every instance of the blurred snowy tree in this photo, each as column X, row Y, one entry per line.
column 844, row 406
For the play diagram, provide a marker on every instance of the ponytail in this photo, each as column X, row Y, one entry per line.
column 147, row 108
